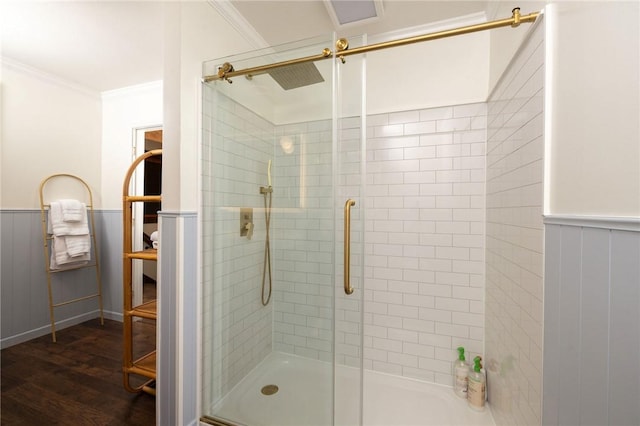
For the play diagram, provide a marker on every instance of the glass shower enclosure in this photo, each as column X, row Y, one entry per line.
column 282, row 182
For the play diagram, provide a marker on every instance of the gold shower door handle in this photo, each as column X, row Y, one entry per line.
column 347, row 245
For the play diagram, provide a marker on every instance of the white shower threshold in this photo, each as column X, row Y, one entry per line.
column 304, row 398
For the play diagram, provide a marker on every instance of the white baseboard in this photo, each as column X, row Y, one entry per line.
column 60, row 325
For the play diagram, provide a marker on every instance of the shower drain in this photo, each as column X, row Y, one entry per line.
column 269, row 389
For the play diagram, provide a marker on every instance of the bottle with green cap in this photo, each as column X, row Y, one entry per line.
column 460, row 373
column 476, row 393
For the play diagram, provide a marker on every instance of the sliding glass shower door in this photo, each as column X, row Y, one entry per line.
column 350, row 204
column 282, row 341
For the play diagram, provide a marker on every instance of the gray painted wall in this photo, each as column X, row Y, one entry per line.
column 592, row 324
column 23, row 280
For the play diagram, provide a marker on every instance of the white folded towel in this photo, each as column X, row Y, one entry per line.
column 58, row 226
column 73, row 210
column 71, row 244
column 60, row 258
column 77, row 245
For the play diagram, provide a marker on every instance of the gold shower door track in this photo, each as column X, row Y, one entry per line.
column 226, row 71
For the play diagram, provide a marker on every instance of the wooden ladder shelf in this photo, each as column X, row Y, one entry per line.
column 145, row 365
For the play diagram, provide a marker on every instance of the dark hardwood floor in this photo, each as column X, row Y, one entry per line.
column 76, row 381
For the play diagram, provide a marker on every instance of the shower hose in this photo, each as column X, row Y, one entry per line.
column 267, row 250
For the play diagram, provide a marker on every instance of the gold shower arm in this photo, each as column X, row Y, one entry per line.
column 227, row 72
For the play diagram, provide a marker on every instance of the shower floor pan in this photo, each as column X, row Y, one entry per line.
column 304, row 386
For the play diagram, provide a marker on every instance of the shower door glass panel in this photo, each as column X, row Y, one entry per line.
column 350, row 204
column 268, row 241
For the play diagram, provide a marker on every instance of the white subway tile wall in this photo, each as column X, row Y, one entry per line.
column 514, row 264
column 302, row 240
column 237, row 328
column 423, row 239
column 424, row 242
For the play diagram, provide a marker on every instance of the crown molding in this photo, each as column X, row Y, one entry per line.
column 47, row 77
column 230, row 14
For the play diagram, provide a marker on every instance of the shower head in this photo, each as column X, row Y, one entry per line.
column 297, row 75
column 267, row 189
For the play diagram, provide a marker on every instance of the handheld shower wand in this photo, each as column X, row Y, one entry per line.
column 267, row 189
column 267, row 192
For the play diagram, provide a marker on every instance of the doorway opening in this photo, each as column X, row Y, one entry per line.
column 148, row 180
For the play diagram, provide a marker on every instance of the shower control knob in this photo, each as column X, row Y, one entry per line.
column 249, row 228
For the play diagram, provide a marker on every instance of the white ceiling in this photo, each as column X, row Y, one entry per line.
column 101, row 45
column 282, row 21
column 105, row 45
